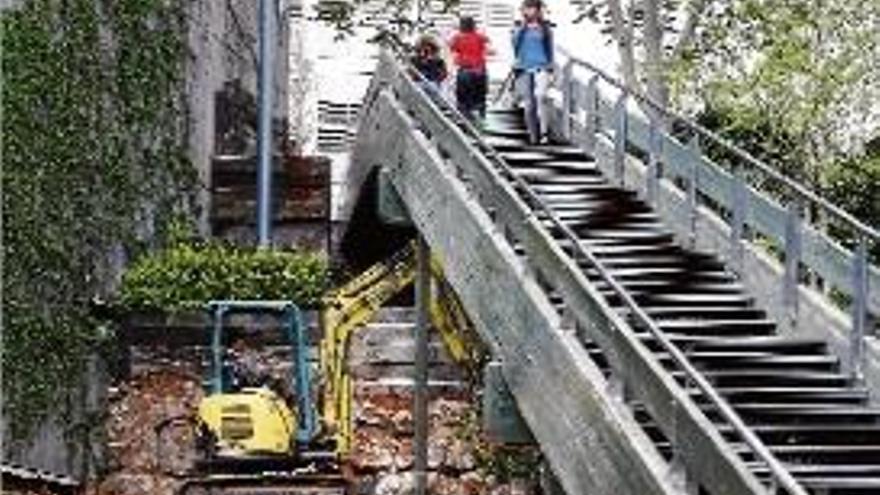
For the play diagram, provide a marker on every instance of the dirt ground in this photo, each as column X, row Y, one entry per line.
column 459, row 459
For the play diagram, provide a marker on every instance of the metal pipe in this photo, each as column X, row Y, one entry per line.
column 217, row 348
column 264, row 124
column 693, row 178
column 620, row 138
column 420, row 380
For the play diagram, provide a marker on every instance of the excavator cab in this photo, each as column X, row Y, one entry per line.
column 256, row 422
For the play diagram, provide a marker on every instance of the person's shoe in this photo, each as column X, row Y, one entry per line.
column 545, row 139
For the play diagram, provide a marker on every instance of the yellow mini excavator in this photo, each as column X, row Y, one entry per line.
column 293, row 435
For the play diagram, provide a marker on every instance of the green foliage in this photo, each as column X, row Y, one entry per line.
column 187, row 276
column 793, row 83
column 346, row 16
column 854, row 184
column 805, row 69
column 755, row 133
column 92, row 151
column 505, row 463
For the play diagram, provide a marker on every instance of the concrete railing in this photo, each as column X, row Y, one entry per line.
column 730, row 210
column 472, row 214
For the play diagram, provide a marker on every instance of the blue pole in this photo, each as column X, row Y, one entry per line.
column 264, row 124
column 217, row 349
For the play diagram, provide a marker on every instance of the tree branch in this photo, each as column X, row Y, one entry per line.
column 695, row 10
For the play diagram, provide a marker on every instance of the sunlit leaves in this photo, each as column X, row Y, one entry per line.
column 187, row 276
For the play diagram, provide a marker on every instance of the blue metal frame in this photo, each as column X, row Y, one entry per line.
column 300, row 379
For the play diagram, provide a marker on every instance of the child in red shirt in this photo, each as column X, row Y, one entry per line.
column 470, row 48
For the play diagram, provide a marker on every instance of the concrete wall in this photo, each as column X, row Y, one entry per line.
column 224, row 46
column 222, row 39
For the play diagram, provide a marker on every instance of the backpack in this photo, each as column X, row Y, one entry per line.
column 547, row 39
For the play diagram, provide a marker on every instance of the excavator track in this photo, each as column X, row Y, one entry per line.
column 266, row 484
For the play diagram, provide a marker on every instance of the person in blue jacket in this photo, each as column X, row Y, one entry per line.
column 533, row 67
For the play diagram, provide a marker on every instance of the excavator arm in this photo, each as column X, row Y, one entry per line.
column 354, row 304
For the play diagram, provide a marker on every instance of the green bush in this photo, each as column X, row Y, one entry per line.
column 187, row 276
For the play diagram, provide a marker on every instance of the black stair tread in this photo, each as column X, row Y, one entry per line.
column 676, row 275
column 770, row 341
column 506, row 132
column 654, row 272
column 797, row 375
column 716, row 361
column 694, row 323
column 790, row 406
column 704, row 312
column 713, row 331
column 829, row 412
column 847, row 486
column 531, row 157
column 596, row 221
column 741, row 448
column 660, row 285
column 572, row 175
column 628, row 250
column 580, row 215
column 701, row 298
column 762, row 356
column 622, row 234
column 807, row 428
column 657, row 261
column 587, row 188
column 540, row 154
column 793, row 393
column 549, row 177
column 769, row 377
column 696, row 342
column 808, row 469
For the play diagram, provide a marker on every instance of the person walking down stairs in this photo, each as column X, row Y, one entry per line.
column 533, row 67
column 470, row 48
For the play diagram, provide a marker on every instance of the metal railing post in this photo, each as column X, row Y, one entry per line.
column 591, row 106
column 620, row 137
column 654, row 151
column 217, row 384
column 739, row 197
column 859, row 308
column 567, row 99
column 420, row 380
column 693, row 171
column 792, row 262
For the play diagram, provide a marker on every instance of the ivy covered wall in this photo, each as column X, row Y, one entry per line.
column 94, row 156
column 108, row 133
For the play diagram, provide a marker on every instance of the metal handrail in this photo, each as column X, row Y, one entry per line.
column 778, row 470
column 800, row 189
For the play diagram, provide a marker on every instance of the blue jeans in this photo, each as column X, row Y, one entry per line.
column 532, row 87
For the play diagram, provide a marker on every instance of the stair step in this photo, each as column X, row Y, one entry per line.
column 791, row 391
column 781, row 378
